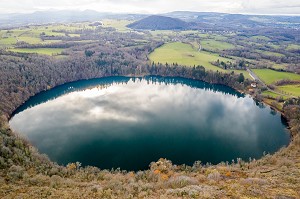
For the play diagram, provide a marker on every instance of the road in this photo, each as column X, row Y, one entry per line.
column 256, row 78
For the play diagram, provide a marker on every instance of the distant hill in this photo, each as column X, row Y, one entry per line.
column 169, row 21
column 60, row 16
column 227, row 21
column 156, row 22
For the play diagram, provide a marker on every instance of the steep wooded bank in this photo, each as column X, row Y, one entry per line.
column 25, row 75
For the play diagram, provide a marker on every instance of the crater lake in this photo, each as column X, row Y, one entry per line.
column 127, row 123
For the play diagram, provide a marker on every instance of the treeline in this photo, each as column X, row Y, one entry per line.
column 22, row 76
column 236, row 81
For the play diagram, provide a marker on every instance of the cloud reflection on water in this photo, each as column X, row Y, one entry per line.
column 145, row 111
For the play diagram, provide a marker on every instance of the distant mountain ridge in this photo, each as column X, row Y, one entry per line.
column 193, row 20
column 156, row 22
column 60, row 16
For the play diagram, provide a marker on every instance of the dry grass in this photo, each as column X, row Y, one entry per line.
column 273, row 176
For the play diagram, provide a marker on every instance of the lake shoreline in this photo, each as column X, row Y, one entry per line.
column 150, row 76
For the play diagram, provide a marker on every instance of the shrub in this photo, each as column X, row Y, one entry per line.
column 215, row 175
column 15, row 173
column 55, row 181
column 181, row 181
column 194, row 191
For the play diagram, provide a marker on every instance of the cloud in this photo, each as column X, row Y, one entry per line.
column 157, row 6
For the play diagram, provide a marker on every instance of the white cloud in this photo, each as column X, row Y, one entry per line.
column 157, row 6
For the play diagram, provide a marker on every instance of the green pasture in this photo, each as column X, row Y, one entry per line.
column 269, row 53
column 211, row 44
column 260, row 37
column 293, row 89
column 30, row 40
column 8, row 41
column 44, row 51
column 271, row 94
column 270, row 76
column 185, row 54
column 119, row 25
column 293, row 47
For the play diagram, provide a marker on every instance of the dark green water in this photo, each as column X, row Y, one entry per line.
column 130, row 122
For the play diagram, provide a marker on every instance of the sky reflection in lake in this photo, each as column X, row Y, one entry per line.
column 129, row 122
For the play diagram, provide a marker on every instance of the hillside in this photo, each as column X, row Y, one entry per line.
column 159, row 23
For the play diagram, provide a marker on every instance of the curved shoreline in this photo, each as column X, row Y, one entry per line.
column 272, row 175
column 130, row 76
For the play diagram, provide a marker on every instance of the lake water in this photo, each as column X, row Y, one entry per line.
column 129, row 122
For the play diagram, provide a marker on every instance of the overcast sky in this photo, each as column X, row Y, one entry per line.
column 289, row 7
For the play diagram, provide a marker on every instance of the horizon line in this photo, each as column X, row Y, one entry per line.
column 149, row 13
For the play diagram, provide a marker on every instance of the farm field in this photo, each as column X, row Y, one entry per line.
column 293, row 47
column 290, row 89
column 279, row 66
column 119, row 25
column 44, row 51
column 211, row 44
column 7, row 41
column 271, row 53
column 271, row 94
column 184, row 54
column 32, row 34
column 270, row 76
column 260, row 37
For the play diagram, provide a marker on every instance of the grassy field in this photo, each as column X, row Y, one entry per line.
column 270, row 94
column 185, row 54
column 211, row 44
column 8, row 41
column 260, row 37
column 271, row 76
column 293, row 47
column 217, row 37
column 290, row 89
column 50, row 41
column 279, row 66
column 119, row 25
column 32, row 34
column 30, row 40
column 74, row 35
column 271, row 53
column 44, row 51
